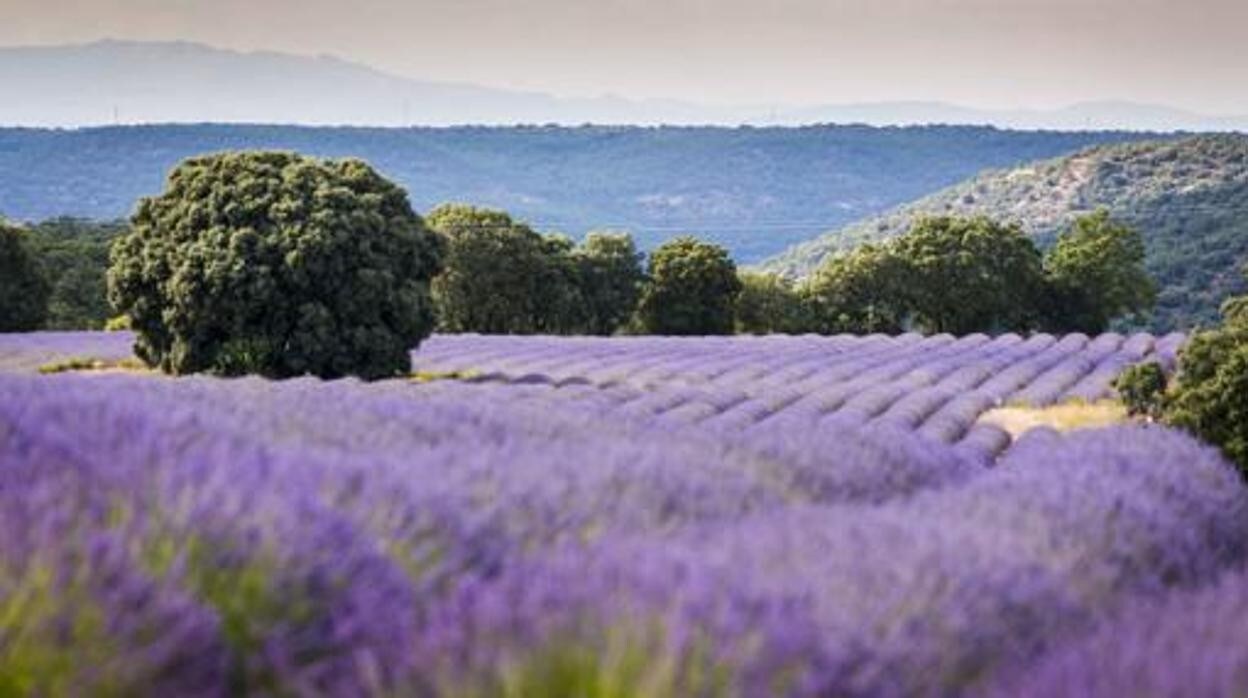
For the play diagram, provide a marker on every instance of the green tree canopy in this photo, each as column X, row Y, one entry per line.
column 501, row 277
column 611, row 276
column 1210, row 397
column 1097, row 273
column 1209, row 393
column 769, row 304
column 970, row 275
column 277, row 264
column 560, row 293
column 74, row 256
column 692, row 290
column 861, row 292
column 23, row 289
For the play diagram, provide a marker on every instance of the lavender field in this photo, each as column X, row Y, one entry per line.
column 533, row 516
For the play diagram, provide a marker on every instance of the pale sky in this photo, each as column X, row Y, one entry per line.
column 984, row 53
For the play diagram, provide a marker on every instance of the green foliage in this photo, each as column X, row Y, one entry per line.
column 611, row 276
column 1216, row 409
column 769, row 304
column 118, row 323
column 277, row 264
column 861, row 292
column 73, row 255
column 1142, row 389
column 692, row 290
column 1210, row 397
column 1235, row 310
column 501, row 277
column 1097, row 274
column 963, row 275
column 966, row 275
column 23, row 289
column 560, row 293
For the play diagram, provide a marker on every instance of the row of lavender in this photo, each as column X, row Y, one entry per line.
column 570, row 532
column 937, row 385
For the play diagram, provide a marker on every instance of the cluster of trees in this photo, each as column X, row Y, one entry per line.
column 73, row 257
column 69, row 259
column 273, row 263
column 1186, row 195
column 501, row 277
column 281, row 265
column 956, row 275
column 962, row 275
column 1209, row 394
column 497, row 275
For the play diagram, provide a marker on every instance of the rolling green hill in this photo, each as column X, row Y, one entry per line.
column 754, row 190
column 1188, row 198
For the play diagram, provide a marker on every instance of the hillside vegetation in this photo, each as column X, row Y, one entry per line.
column 1188, row 198
column 753, row 190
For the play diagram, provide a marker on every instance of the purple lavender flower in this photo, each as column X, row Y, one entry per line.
column 1186, row 643
column 707, row 516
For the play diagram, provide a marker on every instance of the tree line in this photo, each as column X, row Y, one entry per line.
column 230, row 228
column 963, row 275
column 500, row 276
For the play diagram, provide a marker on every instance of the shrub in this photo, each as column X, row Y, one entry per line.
column 23, row 290
column 1217, row 409
column 1142, row 388
column 276, row 264
column 1209, row 397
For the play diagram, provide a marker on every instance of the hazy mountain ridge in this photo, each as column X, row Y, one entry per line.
column 1189, row 199
column 112, row 82
column 755, row 190
column 1084, row 116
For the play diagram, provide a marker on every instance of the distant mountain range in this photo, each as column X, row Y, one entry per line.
column 754, row 190
column 1188, row 197
column 113, row 82
column 1085, row 116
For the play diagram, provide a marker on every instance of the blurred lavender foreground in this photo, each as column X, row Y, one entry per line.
column 800, row 516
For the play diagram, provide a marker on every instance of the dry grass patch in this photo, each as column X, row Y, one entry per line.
column 1063, row 417
column 83, row 364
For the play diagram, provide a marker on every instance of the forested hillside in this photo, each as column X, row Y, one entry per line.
column 753, row 190
column 1188, row 198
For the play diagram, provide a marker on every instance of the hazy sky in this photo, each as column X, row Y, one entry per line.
column 989, row 53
